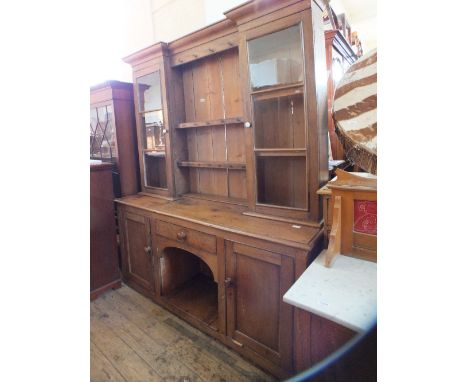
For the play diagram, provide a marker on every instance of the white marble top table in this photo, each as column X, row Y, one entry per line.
column 346, row 293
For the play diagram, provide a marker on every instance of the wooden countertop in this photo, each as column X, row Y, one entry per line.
column 226, row 217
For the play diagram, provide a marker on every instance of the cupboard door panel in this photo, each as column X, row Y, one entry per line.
column 257, row 318
column 256, row 306
column 137, row 262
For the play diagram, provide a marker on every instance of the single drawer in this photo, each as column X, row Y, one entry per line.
column 187, row 236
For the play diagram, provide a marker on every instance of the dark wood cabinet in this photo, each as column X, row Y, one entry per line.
column 113, row 133
column 257, row 317
column 137, row 254
column 104, row 270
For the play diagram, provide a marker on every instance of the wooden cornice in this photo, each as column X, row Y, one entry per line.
column 155, row 50
column 112, row 84
column 211, row 32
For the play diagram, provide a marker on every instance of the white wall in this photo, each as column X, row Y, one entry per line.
column 122, row 27
column 362, row 16
column 172, row 19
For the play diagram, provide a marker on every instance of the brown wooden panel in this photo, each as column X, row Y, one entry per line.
column 215, row 89
column 205, row 153
column 192, row 148
column 326, row 337
column 219, row 154
column 235, row 142
column 187, row 78
column 103, row 252
column 237, row 184
column 201, row 91
column 256, row 316
column 257, row 253
column 127, row 146
column 233, row 106
column 257, row 300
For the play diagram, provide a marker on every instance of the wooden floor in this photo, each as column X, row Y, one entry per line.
column 135, row 340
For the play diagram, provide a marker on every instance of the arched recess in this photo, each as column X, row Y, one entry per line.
column 188, row 281
column 178, row 265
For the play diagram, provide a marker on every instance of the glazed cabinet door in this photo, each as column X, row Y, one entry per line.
column 152, row 129
column 137, row 257
column 275, row 91
column 257, row 317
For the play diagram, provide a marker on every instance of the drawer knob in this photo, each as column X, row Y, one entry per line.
column 181, row 235
column 148, row 250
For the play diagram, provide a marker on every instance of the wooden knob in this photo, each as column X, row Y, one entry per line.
column 228, row 282
column 181, row 235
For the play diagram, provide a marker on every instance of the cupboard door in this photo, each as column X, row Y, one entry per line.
column 257, row 317
column 275, row 91
column 137, row 255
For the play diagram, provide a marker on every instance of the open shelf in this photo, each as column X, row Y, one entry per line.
column 199, row 298
column 211, row 164
column 283, row 89
column 154, row 153
column 280, row 152
column 215, row 122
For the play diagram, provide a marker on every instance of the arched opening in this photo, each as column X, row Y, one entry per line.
column 187, row 282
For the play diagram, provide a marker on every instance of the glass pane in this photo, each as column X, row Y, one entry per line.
column 107, row 130
column 155, row 169
column 281, row 181
column 102, row 133
column 153, row 131
column 279, row 122
column 276, row 59
column 149, row 92
column 94, row 140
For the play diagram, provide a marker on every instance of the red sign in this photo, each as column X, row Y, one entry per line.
column 365, row 216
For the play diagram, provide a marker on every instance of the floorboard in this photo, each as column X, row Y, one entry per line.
column 133, row 339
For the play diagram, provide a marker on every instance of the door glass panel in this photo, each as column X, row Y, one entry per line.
column 281, row 181
column 276, row 59
column 279, row 121
column 155, row 169
column 153, row 130
column 102, row 133
column 149, row 92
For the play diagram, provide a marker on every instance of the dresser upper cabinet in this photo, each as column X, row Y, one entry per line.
column 236, row 112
